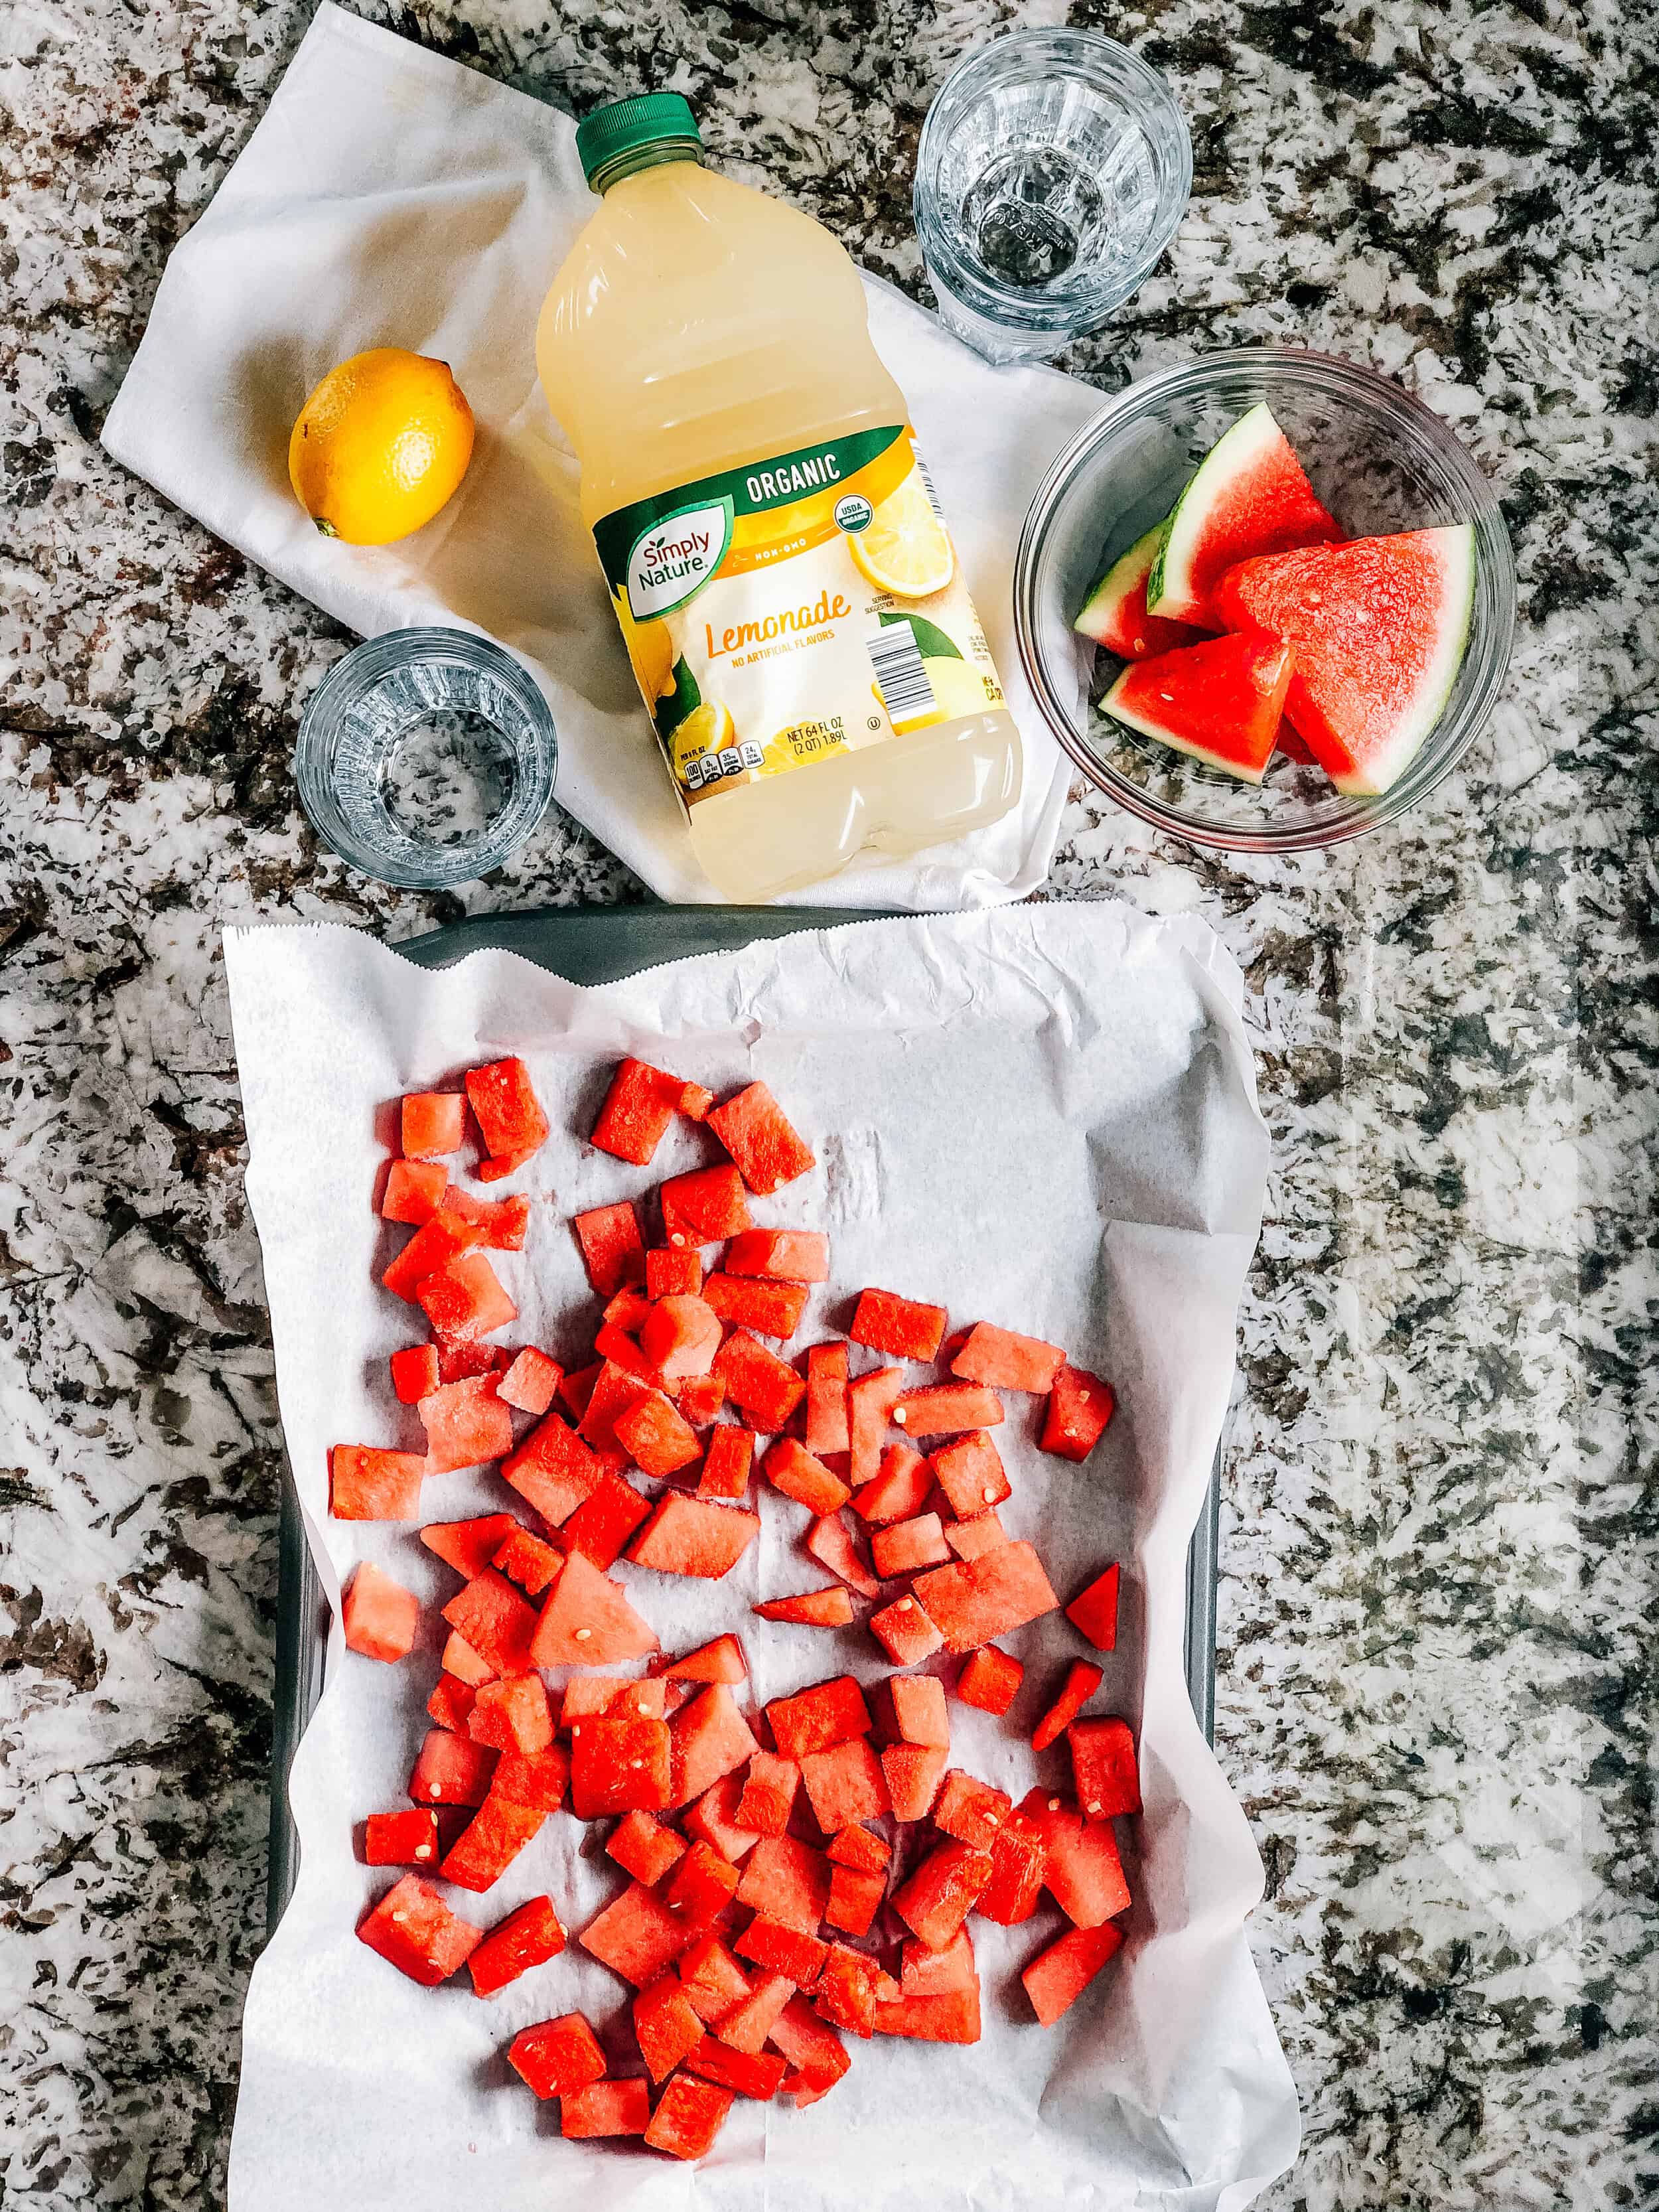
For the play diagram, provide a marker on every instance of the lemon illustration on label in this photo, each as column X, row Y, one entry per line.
column 907, row 549
column 706, row 729
column 650, row 647
column 958, row 687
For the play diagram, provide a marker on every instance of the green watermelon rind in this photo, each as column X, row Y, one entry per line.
column 1149, row 728
column 1234, row 454
column 1112, row 589
column 1440, row 679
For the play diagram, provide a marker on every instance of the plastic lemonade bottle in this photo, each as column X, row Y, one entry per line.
column 790, row 598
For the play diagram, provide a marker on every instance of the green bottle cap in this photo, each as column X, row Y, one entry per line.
column 632, row 134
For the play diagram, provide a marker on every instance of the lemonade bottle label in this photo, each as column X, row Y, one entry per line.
column 805, row 605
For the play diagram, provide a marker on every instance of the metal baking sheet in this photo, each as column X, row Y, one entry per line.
column 599, row 944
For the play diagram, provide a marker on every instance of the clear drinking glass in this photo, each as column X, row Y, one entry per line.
column 426, row 756
column 1054, row 168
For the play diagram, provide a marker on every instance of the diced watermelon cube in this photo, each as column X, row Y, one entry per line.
column 451, row 1769
column 927, row 1972
column 847, row 1990
column 606, row 2108
column 602, row 1524
column 644, row 1848
column 945, row 1408
column 512, row 1715
column 435, row 1243
column 726, row 1464
column 614, row 1392
column 990, row 1680
column 818, row 1719
column 680, row 1337
column 460, row 1360
column 1019, row 1860
column 768, row 1793
column 754, row 1129
column 781, row 1950
column 460, row 1660
column 653, row 1434
column 1082, row 1681
column 746, row 1302
column 503, row 1227
column 857, row 1847
column 714, row 1817
column 899, row 1489
column 939, row 1895
column 638, row 1108
column 526, row 1938
column 812, row 2047
column 619, row 1763
column 975, row 1600
column 401, row 1840
column 365, row 1483
column 701, row 1886
column 613, row 1250
column 1082, row 1871
column 1057, row 1978
column 722, row 1660
column 903, row 1546
column 497, row 1170
column 467, row 1423
column 635, row 1936
column 790, row 1468
column 759, row 2076
column 920, row 1715
column 758, row 1382
column 780, row 1255
column 700, row 1397
column 1007, row 1362
column 690, row 2114
column 414, row 1191
column 413, row 1931
column 469, row 1546
column 826, row 1399
column 587, row 1696
column 854, row 1898
column 532, row 1382
column 588, row 1622
column 713, row 1982
column 845, row 1784
column 1094, row 1611
column 432, row 1122
column 490, row 1841
column 787, row 1881
column 703, row 1207
column 972, row 1811
column 450, row 1703
column 870, row 1401
column 505, row 1107
column 672, row 1274
column 665, row 2026
column 1079, row 1407
column 971, row 1540
column 496, row 1619
column 953, row 2018
column 819, row 1609
column 830, row 1540
column 379, row 1617
column 530, row 1561
column 1104, row 1763
column 904, row 1327
column 710, row 1739
column 912, row 1773
column 906, row 1631
column 414, row 1372
column 970, row 1473
column 557, row 2058
column 690, row 1537
column 466, row 1298
column 536, row 1779
column 747, row 2026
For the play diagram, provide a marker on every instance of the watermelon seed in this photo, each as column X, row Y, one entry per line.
column 422, row 1851
column 1167, row 697
column 583, row 1634
column 989, row 1494
column 1140, row 644
column 899, row 1415
column 1316, row 598
column 1053, row 1804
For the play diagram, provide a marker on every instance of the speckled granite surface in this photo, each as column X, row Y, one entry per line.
column 1437, row 1678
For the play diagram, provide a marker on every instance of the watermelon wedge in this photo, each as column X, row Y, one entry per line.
column 1220, row 701
column 1115, row 613
column 1378, row 629
column 1249, row 497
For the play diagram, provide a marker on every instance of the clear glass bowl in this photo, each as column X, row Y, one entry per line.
column 426, row 756
column 1054, row 169
column 1378, row 459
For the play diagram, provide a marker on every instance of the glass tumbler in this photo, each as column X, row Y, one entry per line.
column 1054, row 169
column 426, row 756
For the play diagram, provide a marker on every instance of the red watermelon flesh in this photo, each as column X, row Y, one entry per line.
column 1220, row 702
column 1248, row 497
column 588, row 1622
column 1115, row 613
column 1378, row 629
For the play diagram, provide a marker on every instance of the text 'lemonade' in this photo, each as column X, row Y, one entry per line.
column 785, row 583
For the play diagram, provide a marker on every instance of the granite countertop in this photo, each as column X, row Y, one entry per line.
column 1436, row 1691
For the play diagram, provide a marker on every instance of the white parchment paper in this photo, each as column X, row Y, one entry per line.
column 1042, row 1117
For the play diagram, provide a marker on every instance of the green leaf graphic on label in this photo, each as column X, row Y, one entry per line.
column 932, row 643
column 672, row 558
column 684, row 699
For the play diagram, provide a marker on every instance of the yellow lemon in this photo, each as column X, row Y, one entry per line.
column 379, row 446
column 706, row 729
column 905, row 549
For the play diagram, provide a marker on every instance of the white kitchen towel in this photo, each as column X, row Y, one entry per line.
column 390, row 196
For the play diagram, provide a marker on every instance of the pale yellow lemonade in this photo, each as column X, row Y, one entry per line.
column 790, row 599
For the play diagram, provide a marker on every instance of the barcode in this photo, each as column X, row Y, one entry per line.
column 900, row 676
column 926, row 482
